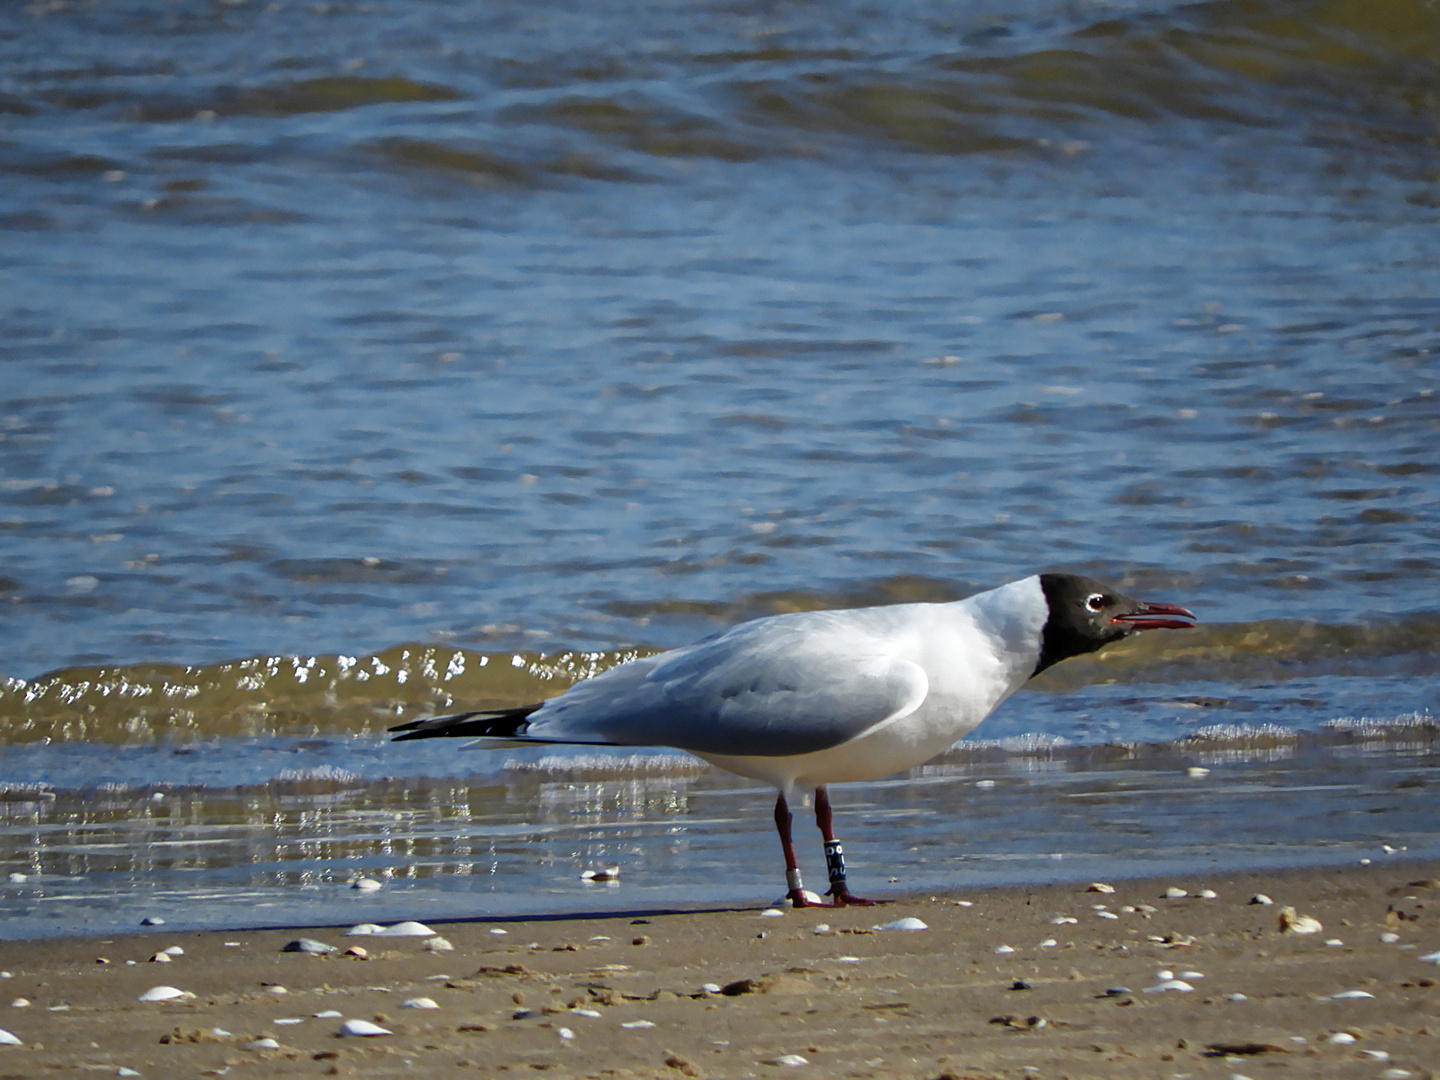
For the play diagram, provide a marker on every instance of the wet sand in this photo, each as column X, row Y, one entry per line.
column 625, row 996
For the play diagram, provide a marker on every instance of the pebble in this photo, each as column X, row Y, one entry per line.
column 637, row 1024
column 164, row 993
column 788, row 1059
column 308, row 945
column 907, row 923
column 1100, row 887
column 263, row 1044
column 152, row 920
column 366, row 884
column 439, row 944
column 362, row 1027
column 1172, row 893
column 1344, row 995
column 8, row 1039
column 1261, row 898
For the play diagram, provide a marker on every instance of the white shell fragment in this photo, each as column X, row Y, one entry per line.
column 8, row 1039
column 160, row 958
column 439, row 944
column 1261, row 898
column 1196, row 772
column 1172, row 893
column 20, row 1003
column 419, row 1003
column 362, row 1027
column 263, row 1044
column 17, row 879
column 1100, row 887
column 1207, row 894
column 164, row 993
column 366, row 884
column 1340, row 1038
column 565, row 1033
column 1001, row 950
column 1293, row 923
column 1389, row 937
column 1170, row 984
column 794, row 1060
column 609, row 873
column 1049, row 943
column 329, row 1014
column 286, row 1021
column 1345, row 995
column 907, row 923
column 1431, row 958
column 308, row 945
column 174, row 950
column 638, row 1024
column 595, row 1015
column 1061, row 920
column 1106, row 915
column 152, row 920
column 711, row 988
column 771, row 913
column 400, row 929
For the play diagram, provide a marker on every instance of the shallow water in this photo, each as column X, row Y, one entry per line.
column 344, row 337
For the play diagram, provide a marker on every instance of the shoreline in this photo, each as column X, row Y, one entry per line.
column 623, row 995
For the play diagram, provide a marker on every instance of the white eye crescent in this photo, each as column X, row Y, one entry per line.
column 1095, row 601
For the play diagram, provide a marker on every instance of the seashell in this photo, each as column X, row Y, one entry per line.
column 565, row 1033
column 1172, row 893
column 1106, row 915
column 1236, row 997
column 1170, row 984
column 710, row 988
column 308, row 945
column 1340, row 1038
column 164, row 993
column 439, row 944
column 771, row 913
column 363, row 1028
column 263, row 1044
column 1061, row 920
column 1100, row 887
column 609, row 873
column 1001, row 950
column 1293, row 923
column 366, row 884
column 363, row 929
column 907, row 923
column 174, row 950
column 638, row 1024
column 123, row 1071
column 821, row 928
column 329, row 1014
column 1261, row 898
column 20, row 1003
column 812, row 898
column 594, row 1015
column 152, row 920
column 793, row 1060
column 1207, row 894
column 1334, row 941
column 17, row 879
column 1196, row 772
column 358, row 951
column 856, row 959
column 1191, row 975
column 1345, row 995
column 160, row 958
column 285, row 1021
column 500, row 933
column 1431, row 958
column 419, row 1003
column 1049, row 943
column 1389, row 937
column 278, row 991
column 405, row 929
column 1395, row 1074
column 8, row 1039
column 1377, row 1055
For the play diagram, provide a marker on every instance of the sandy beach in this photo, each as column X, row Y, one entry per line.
column 1053, row 981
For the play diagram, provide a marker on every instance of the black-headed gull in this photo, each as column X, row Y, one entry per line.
column 824, row 697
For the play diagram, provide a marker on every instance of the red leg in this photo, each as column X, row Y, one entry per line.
column 787, row 845
column 835, row 855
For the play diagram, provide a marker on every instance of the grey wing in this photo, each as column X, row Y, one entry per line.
column 765, row 689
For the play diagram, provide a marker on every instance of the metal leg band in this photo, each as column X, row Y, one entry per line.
column 792, row 878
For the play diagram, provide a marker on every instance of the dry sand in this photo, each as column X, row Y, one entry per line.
column 1071, row 1000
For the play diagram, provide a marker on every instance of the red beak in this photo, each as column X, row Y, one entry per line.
column 1158, row 617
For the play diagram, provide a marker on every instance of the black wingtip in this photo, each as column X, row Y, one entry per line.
column 484, row 723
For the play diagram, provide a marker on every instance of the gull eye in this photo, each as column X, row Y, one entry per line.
column 1095, row 601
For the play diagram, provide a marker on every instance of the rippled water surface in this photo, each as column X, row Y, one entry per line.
column 486, row 344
